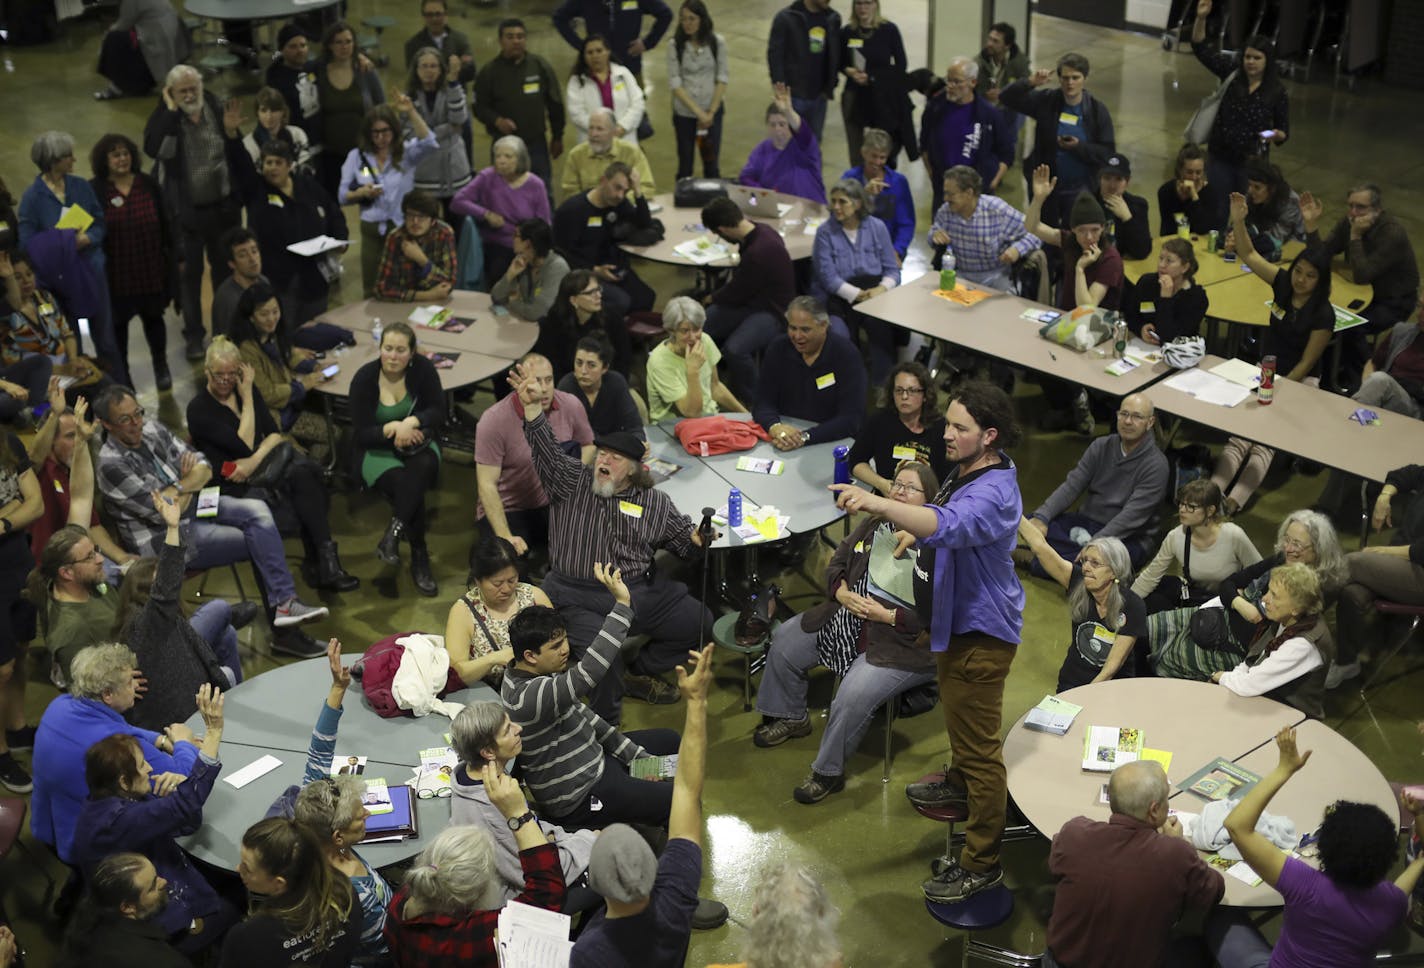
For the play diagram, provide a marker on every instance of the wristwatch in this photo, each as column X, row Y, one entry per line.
column 805, row 436
column 516, row 822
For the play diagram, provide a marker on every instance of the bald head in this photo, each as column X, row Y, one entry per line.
column 1139, row 790
column 1135, row 419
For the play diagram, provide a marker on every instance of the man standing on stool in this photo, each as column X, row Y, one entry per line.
column 967, row 593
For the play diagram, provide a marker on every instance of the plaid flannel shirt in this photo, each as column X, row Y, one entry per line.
column 978, row 241
column 467, row 940
column 398, row 278
column 126, row 476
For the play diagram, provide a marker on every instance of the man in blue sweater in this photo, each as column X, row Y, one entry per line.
column 813, row 374
column 967, row 593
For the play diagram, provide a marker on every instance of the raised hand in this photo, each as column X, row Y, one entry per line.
column 1043, row 181
column 1310, row 209
column 504, row 792
column 340, row 674
column 232, row 116
column 1290, row 757
column 612, row 579
column 1040, row 77
column 167, row 508
column 695, row 684
column 1238, row 207
column 210, row 706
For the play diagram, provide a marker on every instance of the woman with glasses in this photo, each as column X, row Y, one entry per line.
column 1203, row 548
column 1340, row 914
column 132, row 807
column 910, row 427
column 682, row 376
column 477, row 628
column 234, row 428
column 418, row 261
column 1194, row 643
column 378, row 174
column 1107, row 617
column 577, row 312
column 862, row 635
column 532, row 279
column 329, row 808
column 345, row 94
column 282, row 373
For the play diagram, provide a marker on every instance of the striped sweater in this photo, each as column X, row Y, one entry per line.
column 564, row 740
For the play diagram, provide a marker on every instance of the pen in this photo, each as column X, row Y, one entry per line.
column 1052, row 356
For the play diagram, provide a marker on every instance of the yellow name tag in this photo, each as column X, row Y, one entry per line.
column 1068, row 117
column 58, row 487
column 630, row 509
column 1103, row 634
column 825, row 382
column 1278, row 311
column 275, row 200
column 855, row 43
column 46, row 309
column 1147, row 307
column 531, row 87
column 859, row 547
column 595, row 221
column 630, row 4
column 904, row 452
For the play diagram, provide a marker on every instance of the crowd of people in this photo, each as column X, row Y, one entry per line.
column 568, row 519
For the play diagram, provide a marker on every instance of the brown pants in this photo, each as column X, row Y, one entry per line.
column 971, row 677
column 1372, row 576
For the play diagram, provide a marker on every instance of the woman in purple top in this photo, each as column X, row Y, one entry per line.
column 1335, row 917
column 500, row 197
column 789, row 160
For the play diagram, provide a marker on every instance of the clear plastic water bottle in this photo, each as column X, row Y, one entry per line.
column 376, row 330
column 734, row 508
column 842, row 473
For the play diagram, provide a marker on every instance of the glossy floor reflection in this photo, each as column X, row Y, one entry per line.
column 871, row 849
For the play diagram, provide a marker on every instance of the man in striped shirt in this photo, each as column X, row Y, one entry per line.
column 575, row 763
column 610, row 511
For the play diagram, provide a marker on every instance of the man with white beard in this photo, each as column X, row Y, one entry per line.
column 185, row 135
column 610, row 512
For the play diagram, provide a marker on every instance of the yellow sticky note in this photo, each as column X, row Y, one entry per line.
column 1068, row 117
column 1158, row 756
column 75, row 218
column 630, row 509
column 826, row 381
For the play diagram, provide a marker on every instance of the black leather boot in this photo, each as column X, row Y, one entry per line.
column 388, row 548
column 330, row 574
column 420, row 571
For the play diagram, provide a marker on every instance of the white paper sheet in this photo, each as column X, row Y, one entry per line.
column 1239, row 372
column 316, row 245
column 253, row 770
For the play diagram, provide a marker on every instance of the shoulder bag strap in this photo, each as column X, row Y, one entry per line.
column 1186, row 564
column 480, row 621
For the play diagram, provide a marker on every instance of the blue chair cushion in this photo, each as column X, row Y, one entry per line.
column 986, row 909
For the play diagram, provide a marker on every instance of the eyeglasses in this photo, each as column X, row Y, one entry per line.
column 427, row 793
column 224, row 374
column 956, row 81
column 1129, row 415
column 1294, row 544
column 91, row 556
column 898, row 488
column 1186, row 506
column 382, row 130
column 1092, row 563
column 909, row 391
column 596, row 290
column 126, row 419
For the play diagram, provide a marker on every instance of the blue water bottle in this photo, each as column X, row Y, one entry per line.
column 842, row 465
column 734, row 508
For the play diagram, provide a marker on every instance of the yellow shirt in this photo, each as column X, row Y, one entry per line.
column 583, row 169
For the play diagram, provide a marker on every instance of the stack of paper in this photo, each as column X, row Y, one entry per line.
column 1052, row 715
column 1208, row 387
column 702, row 251
column 1238, row 372
column 316, row 245
column 531, row 937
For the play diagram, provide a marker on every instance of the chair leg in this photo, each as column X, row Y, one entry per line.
column 746, row 682
column 1382, row 662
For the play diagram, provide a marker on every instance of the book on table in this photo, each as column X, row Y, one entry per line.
column 1105, row 748
column 1052, row 715
column 377, row 798
column 399, row 823
column 1220, row 779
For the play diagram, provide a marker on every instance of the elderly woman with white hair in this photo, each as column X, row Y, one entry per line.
column 445, row 913
column 1195, row 643
column 793, row 922
column 499, row 198
column 854, row 260
column 103, row 685
column 682, row 376
column 1108, row 618
column 70, row 258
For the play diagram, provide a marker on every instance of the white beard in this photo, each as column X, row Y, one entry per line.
column 605, row 488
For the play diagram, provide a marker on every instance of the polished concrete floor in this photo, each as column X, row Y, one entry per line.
column 866, row 843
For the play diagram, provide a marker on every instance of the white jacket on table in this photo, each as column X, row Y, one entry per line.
column 582, row 98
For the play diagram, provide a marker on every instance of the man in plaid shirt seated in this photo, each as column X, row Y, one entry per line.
column 982, row 235
column 142, row 456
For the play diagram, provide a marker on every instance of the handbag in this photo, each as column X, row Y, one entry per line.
column 1198, row 129
column 696, row 192
column 1081, row 329
column 1210, row 629
column 497, row 673
column 754, row 623
column 273, row 469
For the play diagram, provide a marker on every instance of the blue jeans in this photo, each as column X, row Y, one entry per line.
column 742, row 333
column 813, row 112
column 864, row 689
column 213, row 622
column 1234, row 941
column 244, row 531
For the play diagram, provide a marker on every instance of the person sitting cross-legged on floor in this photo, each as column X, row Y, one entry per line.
column 869, row 641
column 117, row 924
column 142, row 456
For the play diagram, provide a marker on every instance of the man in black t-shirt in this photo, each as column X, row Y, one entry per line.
column 587, row 233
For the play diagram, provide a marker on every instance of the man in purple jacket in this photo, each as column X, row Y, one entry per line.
column 748, row 312
column 967, row 593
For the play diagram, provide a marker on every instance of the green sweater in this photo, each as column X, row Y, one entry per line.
column 524, row 91
column 77, row 625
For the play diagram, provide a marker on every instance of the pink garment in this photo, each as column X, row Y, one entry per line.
column 500, row 442
column 722, row 435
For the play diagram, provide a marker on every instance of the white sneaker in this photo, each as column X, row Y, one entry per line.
column 294, row 611
column 1339, row 673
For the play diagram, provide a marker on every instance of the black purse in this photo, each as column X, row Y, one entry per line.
column 1210, row 629
column 273, row 469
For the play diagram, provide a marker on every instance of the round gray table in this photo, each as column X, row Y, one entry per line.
column 253, row 9
column 273, row 714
